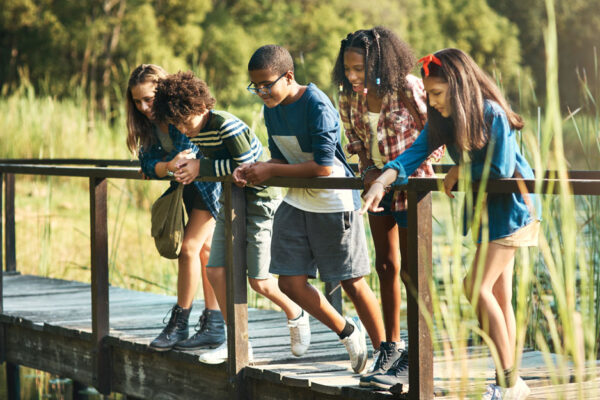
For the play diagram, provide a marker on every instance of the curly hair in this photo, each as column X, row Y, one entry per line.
column 388, row 60
column 180, row 95
column 468, row 87
column 139, row 127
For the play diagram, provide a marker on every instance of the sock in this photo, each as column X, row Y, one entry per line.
column 299, row 316
column 347, row 331
column 508, row 377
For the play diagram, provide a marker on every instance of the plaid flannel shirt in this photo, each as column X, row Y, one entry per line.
column 396, row 129
column 210, row 191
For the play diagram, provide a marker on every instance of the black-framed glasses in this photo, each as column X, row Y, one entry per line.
column 264, row 90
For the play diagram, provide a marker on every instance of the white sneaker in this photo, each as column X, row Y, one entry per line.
column 356, row 345
column 299, row 334
column 519, row 391
column 374, row 362
column 219, row 355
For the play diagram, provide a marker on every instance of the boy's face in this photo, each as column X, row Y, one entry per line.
column 275, row 87
column 193, row 124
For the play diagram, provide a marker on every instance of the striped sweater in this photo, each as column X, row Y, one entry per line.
column 226, row 142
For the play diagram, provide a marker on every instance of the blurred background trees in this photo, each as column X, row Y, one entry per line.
column 64, row 48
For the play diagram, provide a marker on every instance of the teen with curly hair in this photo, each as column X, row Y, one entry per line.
column 185, row 103
column 468, row 113
column 383, row 109
column 159, row 151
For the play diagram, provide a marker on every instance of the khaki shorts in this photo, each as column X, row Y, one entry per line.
column 526, row 236
column 259, row 225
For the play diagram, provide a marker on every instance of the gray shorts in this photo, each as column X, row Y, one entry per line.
column 259, row 225
column 332, row 243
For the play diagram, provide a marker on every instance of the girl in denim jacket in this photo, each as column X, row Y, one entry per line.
column 160, row 152
column 467, row 112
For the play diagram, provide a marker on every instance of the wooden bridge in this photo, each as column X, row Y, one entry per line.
column 64, row 327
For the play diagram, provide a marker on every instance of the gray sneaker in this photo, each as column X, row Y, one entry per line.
column 519, row 391
column 396, row 374
column 388, row 354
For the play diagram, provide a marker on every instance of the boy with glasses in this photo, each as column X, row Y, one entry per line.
column 313, row 229
column 185, row 103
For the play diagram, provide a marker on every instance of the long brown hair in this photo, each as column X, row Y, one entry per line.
column 468, row 87
column 139, row 127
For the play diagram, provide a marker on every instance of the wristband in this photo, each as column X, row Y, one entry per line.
column 385, row 188
column 367, row 169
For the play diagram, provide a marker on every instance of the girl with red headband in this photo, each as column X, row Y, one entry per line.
column 383, row 109
column 468, row 113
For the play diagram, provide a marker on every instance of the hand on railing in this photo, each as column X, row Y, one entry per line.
column 239, row 175
column 187, row 171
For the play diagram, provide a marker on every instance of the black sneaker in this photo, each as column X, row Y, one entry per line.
column 210, row 332
column 175, row 331
column 388, row 354
column 397, row 374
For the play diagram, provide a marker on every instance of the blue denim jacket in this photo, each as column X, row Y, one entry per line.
column 507, row 212
column 210, row 191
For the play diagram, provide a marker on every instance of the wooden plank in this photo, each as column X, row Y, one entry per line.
column 237, row 307
column 99, row 263
column 420, row 355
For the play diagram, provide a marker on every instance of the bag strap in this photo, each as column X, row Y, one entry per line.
column 411, row 106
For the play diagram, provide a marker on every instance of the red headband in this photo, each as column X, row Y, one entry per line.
column 427, row 60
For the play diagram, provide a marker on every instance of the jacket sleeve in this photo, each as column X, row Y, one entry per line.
column 407, row 162
column 355, row 144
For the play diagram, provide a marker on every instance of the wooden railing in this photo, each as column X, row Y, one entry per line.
column 419, row 253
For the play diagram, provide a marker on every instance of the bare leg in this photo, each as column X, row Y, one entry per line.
column 199, row 227
column 387, row 264
column 218, row 281
column 367, row 308
column 210, row 300
column 491, row 314
column 269, row 288
column 310, row 299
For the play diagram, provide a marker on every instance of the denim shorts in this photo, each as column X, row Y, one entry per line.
column 192, row 199
column 259, row 226
column 332, row 244
column 401, row 217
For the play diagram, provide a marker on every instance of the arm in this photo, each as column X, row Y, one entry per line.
column 502, row 146
column 407, row 162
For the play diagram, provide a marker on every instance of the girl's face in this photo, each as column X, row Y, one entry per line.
column 354, row 68
column 143, row 97
column 437, row 92
column 193, row 124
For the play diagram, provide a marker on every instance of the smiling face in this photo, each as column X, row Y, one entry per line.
column 354, row 69
column 280, row 90
column 437, row 92
column 143, row 97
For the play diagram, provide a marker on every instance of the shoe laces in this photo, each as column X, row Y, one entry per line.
column 492, row 392
column 202, row 322
column 174, row 321
column 401, row 364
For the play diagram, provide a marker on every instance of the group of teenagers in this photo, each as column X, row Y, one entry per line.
column 396, row 123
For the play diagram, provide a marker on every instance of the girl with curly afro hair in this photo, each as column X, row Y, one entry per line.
column 383, row 109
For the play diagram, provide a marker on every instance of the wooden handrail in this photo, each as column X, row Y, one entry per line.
column 419, row 249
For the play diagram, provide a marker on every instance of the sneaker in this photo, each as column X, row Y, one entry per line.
column 373, row 365
column 519, row 391
column 219, row 355
column 175, row 331
column 210, row 332
column 387, row 355
column 299, row 334
column 396, row 374
column 356, row 345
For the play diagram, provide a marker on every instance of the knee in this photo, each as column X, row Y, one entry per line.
column 475, row 294
column 213, row 275
column 286, row 287
column 352, row 286
column 258, row 285
column 387, row 268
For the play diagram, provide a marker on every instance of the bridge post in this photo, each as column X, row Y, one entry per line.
column 9, row 223
column 99, row 263
column 237, row 303
column 420, row 356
